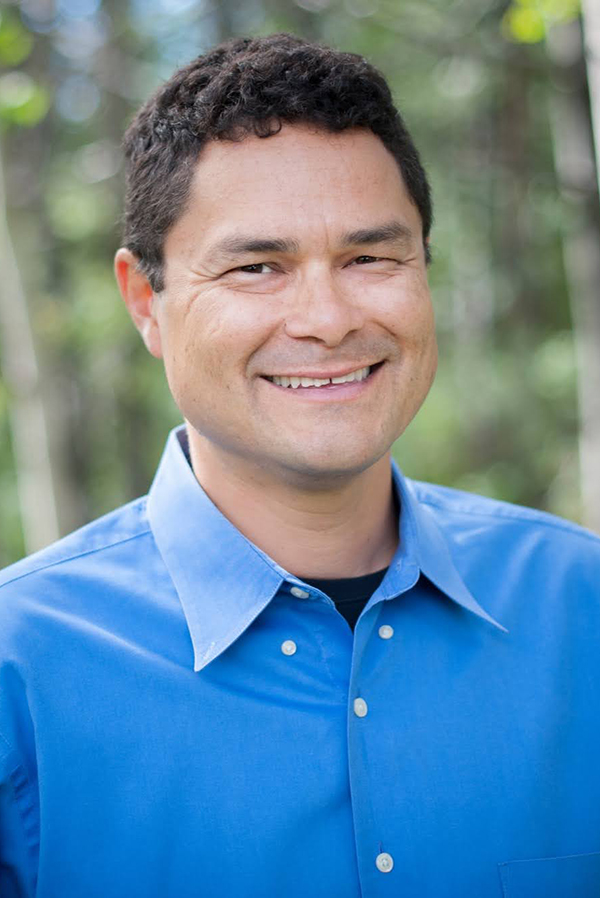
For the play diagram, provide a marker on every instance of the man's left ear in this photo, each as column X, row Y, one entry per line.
column 139, row 298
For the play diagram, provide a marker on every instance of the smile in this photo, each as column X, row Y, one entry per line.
column 294, row 382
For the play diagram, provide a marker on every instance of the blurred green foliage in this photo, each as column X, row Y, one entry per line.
column 16, row 42
column 23, row 102
column 527, row 21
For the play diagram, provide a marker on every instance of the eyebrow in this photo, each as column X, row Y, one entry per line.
column 237, row 245
column 391, row 232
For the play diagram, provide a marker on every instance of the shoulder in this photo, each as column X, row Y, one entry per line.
column 55, row 597
column 471, row 507
column 477, row 523
column 116, row 527
column 521, row 564
column 90, row 553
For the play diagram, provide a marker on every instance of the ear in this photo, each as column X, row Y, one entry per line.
column 139, row 298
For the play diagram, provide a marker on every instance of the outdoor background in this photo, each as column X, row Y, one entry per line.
column 497, row 95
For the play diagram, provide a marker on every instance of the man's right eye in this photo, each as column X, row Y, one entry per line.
column 256, row 268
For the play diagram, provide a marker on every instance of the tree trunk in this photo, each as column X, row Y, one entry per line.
column 26, row 409
column 591, row 30
column 575, row 166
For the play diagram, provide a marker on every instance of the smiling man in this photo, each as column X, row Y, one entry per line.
column 289, row 669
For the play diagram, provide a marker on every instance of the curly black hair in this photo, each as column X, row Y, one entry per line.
column 250, row 86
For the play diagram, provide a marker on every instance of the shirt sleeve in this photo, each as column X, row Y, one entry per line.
column 18, row 827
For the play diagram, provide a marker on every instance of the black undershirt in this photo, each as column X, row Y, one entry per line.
column 350, row 594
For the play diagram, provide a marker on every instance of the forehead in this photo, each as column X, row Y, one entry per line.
column 298, row 180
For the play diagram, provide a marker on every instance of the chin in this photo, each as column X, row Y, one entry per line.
column 327, row 469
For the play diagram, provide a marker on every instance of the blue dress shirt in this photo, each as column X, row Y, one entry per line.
column 181, row 718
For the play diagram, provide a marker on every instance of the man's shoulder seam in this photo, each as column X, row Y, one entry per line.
column 505, row 510
column 74, row 555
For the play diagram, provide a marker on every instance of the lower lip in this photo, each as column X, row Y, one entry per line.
column 332, row 392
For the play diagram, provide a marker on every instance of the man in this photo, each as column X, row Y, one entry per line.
column 290, row 670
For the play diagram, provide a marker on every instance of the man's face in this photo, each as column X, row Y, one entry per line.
column 298, row 256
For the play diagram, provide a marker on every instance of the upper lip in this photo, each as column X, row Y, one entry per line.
column 323, row 375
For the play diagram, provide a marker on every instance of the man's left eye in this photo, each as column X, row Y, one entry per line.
column 383, row 263
column 362, row 260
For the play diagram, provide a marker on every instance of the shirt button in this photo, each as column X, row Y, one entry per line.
column 288, row 647
column 299, row 593
column 360, row 707
column 386, row 632
column 384, row 862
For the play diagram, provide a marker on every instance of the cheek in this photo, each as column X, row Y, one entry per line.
column 409, row 316
column 215, row 337
column 424, row 326
column 426, row 351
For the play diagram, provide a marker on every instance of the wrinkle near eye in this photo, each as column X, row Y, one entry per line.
column 201, row 275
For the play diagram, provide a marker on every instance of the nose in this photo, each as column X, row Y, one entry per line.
column 323, row 310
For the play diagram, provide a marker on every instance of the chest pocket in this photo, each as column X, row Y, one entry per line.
column 573, row 876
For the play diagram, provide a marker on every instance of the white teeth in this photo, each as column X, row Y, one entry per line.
column 295, row 382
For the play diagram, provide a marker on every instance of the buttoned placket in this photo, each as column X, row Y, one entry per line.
column 374, row 637
column 358, row 731
column 372, row 634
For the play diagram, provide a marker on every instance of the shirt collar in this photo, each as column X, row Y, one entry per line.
column 423, row 542
column 224, row 581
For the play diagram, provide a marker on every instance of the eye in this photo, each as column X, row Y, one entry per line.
column 255, row 268
column 364, row 260
column 383, row 263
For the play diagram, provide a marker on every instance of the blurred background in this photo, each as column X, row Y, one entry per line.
column 502, row 97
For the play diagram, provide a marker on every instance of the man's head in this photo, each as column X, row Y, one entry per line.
column 250, row 86
column 276, row 244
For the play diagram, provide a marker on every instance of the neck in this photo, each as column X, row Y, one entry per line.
column 343, row 530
